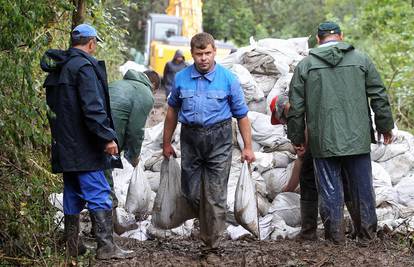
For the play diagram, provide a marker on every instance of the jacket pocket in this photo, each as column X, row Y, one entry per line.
column 187, row 100
column 216, row 100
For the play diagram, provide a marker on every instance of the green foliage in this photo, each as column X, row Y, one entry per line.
column 384, row 30
column 28, row 28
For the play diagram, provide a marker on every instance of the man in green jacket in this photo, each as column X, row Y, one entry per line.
column 331, row 88
column 131, row 102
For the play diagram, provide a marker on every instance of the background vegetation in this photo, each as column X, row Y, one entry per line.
column 382, row 28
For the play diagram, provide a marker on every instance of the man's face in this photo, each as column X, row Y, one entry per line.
column 178, row 60
column 204, row 58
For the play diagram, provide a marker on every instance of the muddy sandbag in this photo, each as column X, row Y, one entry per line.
column 257, row 105
column 384, row 192
column 183, row 230
column 281, row 159
column 287, row 206
column 282, row 230
column 263, row 162
column 171, row 209
column 139, row 194
column 245, row 204
column 154, row 162
column 399, row 166
column 251, row 90
column 153, row 179
column 405, row 191
column 265, row 82
column 276, row 179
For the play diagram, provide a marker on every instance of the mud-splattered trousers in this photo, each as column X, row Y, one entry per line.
column 205, row 164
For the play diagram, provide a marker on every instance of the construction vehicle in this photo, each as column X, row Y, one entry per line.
column 166, row 33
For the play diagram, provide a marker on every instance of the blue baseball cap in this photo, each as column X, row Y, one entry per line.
column 328, row 27
column 85, row 30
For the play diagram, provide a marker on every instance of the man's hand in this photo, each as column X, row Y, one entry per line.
column 168, row 150
column 387, row 137
column 111, row 148
column 248, row 155
column 300, row 150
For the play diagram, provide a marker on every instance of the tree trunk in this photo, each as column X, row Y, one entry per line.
column 79, row 13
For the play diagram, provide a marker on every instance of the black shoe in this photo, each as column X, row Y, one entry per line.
column 107, row 249
column 74, row 245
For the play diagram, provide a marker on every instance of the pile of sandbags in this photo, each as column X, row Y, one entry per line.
column 265, row 69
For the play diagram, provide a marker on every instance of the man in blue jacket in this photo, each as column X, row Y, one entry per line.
column 204, row 98
column 83, row 138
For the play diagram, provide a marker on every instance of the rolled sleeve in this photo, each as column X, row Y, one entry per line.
column 238, row 106
column 174, row 100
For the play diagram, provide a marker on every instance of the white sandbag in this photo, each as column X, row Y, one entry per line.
column 387, row 211
column 123, row 217
column 183, row 230
column 245, row 205
column 282, row 230
column 56, row 199
column 260, row 183
column 263, row 132
column 264, row 162
column 405, row 191
column 154, row 162
column 236, row 57
column 140, row 233
column 256, row 147
column 231, row 187
column 258, row 106
column 121, row 179
column 139, row 193
column 250, row 88
column 263, row 205
column 171, row 209
column 281, row 159
column 153, row 179
column 276, row 179
column 399, row 166
column 265, row 82
column 287, row 206
column 384, row 192
column 265, row 224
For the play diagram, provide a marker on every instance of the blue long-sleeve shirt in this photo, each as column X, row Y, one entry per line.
column 207, row 99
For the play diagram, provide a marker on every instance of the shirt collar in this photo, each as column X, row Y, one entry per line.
column 209, row 75
column 329, row 43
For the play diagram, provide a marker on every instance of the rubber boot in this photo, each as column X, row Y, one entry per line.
column 309, row 216
column 107, row 249
column 335, row 232
column 74, row 245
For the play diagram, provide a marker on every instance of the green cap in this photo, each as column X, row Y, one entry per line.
column 328, row 27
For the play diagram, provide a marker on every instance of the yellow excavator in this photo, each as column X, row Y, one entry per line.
column 168, row 32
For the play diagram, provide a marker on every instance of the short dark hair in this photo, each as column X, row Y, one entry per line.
column 80, row 40
column 154, row 78
column 202, row 40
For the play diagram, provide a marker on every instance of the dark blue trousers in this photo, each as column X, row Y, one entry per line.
column 82, row 188
column 355, row 172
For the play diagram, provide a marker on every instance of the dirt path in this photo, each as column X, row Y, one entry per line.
column 185, row 252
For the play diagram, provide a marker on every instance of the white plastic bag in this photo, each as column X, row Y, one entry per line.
column 171, row 209
column 245, row 206
column 287, row 206
column 139, row 194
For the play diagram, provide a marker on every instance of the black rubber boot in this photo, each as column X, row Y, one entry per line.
column 74, row 245
column 107, row 249
column 309, row 217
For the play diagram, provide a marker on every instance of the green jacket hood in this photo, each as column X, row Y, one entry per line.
column 137, row 76
column 332, row 54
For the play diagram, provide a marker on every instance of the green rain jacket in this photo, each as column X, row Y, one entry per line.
column 131, row 101
column 331, row 87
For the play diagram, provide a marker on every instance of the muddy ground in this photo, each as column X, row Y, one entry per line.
column 186, row 252
column 389, row 250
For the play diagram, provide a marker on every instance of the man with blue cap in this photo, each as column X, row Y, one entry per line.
column 334, row 88
column 84, row 142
